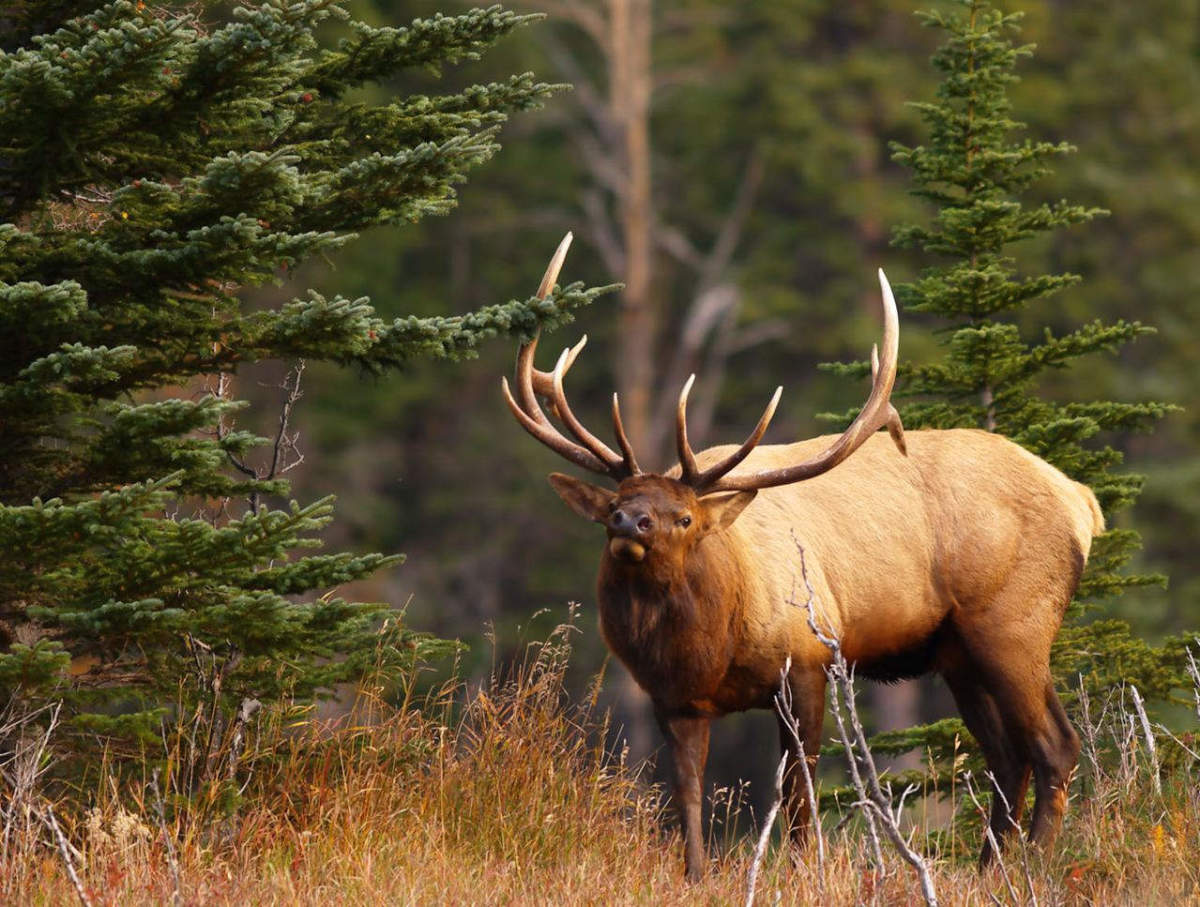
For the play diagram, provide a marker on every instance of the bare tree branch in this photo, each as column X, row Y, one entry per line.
column 603, row 231
column 222, row 392
column 713, row 312
column 1148, row 734
column 730, row 234
column 589, row 97
column 285, row 454
column 783, row 707
column 858, row 754
column 64, row 851
column 605, row 167
column 1017, row 829
column 673, row 241
column 991, row 838
column 756, row 334
column 1194, row 673
column 765, row 834
column 285, row 451
column 586, row 17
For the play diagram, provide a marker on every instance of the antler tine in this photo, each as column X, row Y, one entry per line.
column 543, row 382
column 550, row 278
column 614, row 461
column 623, row 439
column 717, row 470
column 875, row 414
column 687, row 460
column 527, row 382
column 591, row 453
column 895, row 426
column 530, row 381
column 552, row 438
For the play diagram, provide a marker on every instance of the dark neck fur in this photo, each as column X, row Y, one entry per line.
column 673, row 622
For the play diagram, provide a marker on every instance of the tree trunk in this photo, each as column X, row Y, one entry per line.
column 629, row 108
column 629, row 105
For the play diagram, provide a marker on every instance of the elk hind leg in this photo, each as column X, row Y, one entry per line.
column 1007, row 763
column 1036, row 727
column 1055, row 755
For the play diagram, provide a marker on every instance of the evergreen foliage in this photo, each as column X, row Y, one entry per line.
column 152, row 164
column 975, row 174
column 991, row 374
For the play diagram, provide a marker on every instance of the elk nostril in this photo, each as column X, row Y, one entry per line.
column 644, row 524
column 618, row 517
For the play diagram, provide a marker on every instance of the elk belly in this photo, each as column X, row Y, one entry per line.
column 626, row 548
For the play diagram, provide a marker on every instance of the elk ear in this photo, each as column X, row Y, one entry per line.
column 722, row 510
column 589, row 501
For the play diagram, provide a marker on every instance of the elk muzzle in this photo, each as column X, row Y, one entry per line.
column 629, row 529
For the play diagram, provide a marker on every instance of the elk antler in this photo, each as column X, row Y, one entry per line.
column 590, row 452
column 876, row 413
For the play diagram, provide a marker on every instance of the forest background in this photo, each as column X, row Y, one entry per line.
column 730, row 164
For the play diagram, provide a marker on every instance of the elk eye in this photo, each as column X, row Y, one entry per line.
column 684, row 521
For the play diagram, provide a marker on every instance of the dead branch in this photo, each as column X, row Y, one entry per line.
column 1017, row 834
column 1148, row 734
column 584, row 16
column 765, row 834
column 1089, row 731
column 603, row 231
column 285, row 451
column 167, row 838
column 991, row 838
column 64, row 851
column 1194, row 673
column 783, row 707
column 584, row 89
column 858, row 754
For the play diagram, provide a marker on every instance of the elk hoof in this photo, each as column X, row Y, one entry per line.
column 627, row 549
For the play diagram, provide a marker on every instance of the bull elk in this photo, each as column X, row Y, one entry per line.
column 952, row 551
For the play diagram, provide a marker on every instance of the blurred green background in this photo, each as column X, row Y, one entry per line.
column 769, row 203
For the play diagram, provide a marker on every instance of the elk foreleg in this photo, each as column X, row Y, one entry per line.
column 688, row 739
column 801, row 726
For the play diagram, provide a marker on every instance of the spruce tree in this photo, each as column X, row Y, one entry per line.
column 153, row 163
column 996, row 373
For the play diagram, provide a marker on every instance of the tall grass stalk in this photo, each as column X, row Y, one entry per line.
column 502, row 792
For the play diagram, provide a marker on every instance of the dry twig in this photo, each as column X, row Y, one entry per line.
column 999, row 792
column 167, row 838
column 783, row 706
column 765, row 834
column 64, row 850
column 858, row 755
column 991, row 839
column 1140, row 709
column 1194, row 673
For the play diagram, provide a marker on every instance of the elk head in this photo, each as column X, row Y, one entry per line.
column 655, row 517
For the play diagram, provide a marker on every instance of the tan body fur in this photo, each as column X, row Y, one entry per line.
column 968, row 529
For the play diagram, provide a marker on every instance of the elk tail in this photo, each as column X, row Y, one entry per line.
column 1094, row 506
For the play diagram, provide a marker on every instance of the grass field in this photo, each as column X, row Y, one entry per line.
column 501, row 795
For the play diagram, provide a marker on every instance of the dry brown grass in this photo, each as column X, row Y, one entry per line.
column 508, row 799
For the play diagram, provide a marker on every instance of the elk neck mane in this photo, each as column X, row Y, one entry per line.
column 676, row 621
